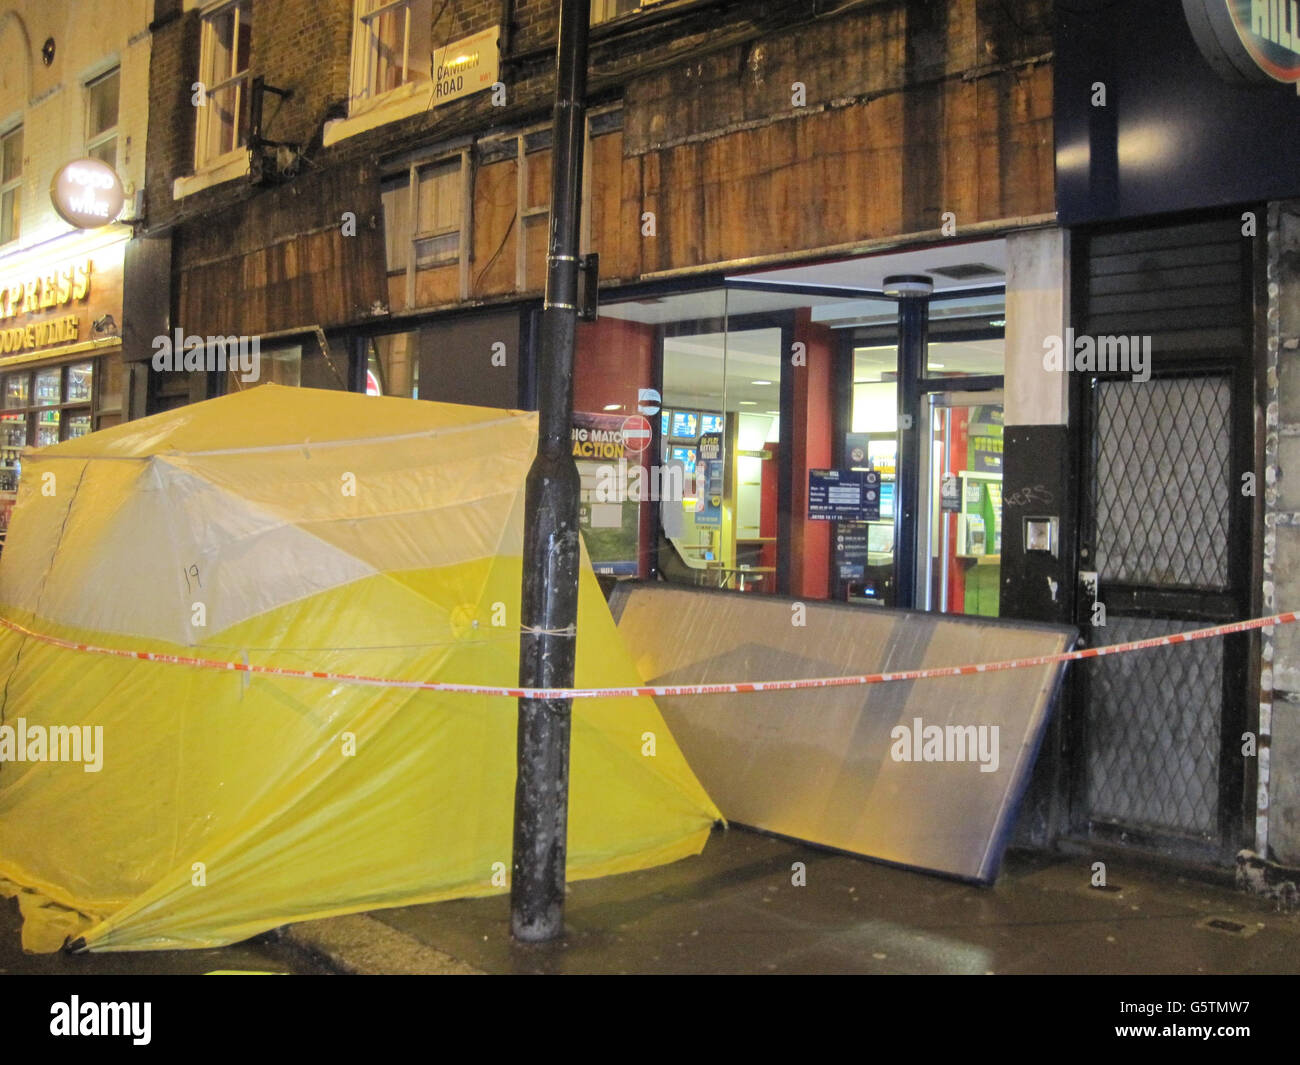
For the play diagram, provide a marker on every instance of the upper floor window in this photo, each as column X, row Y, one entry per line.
column 391, row 46
column 604, row 10
column 426, row 228
column 11, row 183
column 223, row 64
column 101, row 117
column 424, row 214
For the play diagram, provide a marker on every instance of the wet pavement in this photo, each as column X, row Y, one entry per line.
column 734, row 909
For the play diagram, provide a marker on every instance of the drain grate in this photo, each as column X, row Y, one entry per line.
column 1228, row 927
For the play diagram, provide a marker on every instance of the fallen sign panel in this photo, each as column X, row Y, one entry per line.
column 927, row 774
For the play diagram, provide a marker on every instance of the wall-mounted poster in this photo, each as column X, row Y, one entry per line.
column 614, row 485
column 708, row 479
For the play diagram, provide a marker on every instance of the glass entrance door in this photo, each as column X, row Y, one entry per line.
column 959, row 528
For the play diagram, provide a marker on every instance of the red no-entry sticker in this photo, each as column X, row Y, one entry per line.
column 636, row 433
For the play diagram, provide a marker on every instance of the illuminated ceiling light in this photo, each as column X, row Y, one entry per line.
column 998, row 321
column 760, row 382
column 613, row 406
column 749, row 403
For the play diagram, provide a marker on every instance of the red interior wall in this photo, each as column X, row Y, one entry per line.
column 810, row 546
column 613, row 359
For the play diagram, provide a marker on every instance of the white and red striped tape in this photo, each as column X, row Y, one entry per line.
column 670, row 689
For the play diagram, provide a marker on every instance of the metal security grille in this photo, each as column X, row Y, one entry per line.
column 1161, row 489
column 1154, row 721
column 1170, row 536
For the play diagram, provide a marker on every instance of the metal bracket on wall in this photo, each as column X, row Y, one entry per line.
column 588, row 280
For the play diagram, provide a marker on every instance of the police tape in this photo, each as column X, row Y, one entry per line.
column 667, row 690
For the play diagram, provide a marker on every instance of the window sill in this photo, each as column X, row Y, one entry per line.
column 399, row 103
column 224, row 168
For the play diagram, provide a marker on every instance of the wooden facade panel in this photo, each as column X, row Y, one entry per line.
column 989, row 149
column 614, row 234
column 912, row 109
column 650, row 201
column 539, row 178
column 437, row 285
column 627, row 225
column 396, row 284
column 535, row 236
column 496, row 229
column 280, row 260
column 1040, row 113
column 961, row 125
column 842, row 175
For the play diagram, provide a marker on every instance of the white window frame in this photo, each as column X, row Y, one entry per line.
column 14, row 184
column 239, row 79
column 361, row 88
column 98, row 140
column 603, row 10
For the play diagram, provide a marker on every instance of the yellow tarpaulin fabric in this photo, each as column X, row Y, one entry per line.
column 310, row 530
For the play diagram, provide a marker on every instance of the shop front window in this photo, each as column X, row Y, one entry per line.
column 762, row 393
column 41, row 407
column 711, row 372
column 297, row 365
column 393, row 365
column 637, row 451
column 722, row 416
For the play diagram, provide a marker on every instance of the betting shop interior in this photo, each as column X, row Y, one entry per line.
column 776, row 499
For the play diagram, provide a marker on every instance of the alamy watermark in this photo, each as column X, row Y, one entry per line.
column 214, row 353
column 920, row 742
column 1098, row 354
column 639, row 484
column 78, row 1018
column 54, row 743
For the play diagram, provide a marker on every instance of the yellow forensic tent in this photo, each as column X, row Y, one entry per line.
column 300, row 529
